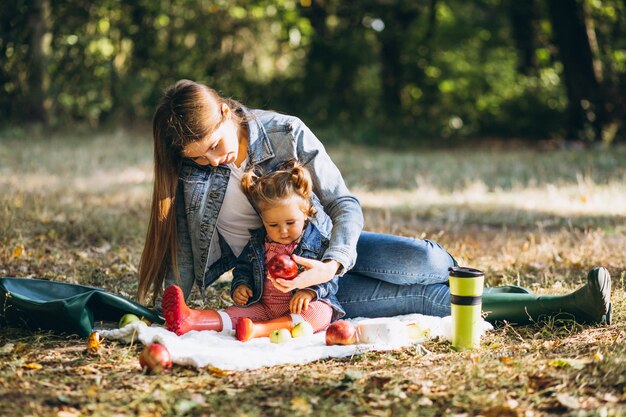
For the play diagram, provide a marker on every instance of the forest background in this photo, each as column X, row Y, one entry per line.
column 367, row 70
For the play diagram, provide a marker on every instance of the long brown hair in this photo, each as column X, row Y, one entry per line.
column 187, row 112
column 273, row 188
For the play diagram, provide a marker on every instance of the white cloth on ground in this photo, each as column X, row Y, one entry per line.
column 208, row 348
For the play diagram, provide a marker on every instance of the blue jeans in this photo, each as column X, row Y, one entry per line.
column 396, row 275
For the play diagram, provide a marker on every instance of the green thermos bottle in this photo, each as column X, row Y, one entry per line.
column 466, row 291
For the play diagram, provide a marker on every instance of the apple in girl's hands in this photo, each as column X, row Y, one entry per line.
column 280, row 336
column 302, row 329
column 341, row 332
column 282, row 266
column 155, row 358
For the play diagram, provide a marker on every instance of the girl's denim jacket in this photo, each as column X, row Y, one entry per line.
column 203, row 255
column 250, row 268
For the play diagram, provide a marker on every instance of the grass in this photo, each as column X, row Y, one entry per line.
column 74, row 208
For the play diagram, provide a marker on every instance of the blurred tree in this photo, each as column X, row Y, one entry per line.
column 595, row 85
column 369, row 68
column 36, row 106
column 22, row 60
column 338, row 49
column 578, row 51
column 395, row 20
column 523, row 21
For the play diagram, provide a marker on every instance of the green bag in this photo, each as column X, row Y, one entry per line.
column 63, row 307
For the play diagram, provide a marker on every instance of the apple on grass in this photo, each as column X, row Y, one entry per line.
column 155, row 358
column 302, row 329
column 341, row 332
column 283, row 266
column 129, row 319
column 280, row 336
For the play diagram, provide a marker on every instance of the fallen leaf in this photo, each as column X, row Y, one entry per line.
column 92, row 391
column 301, row 405
column 94, row 342
column 507, row 360
column 19, row 251
column 32, row 365
column 219, row 372
column 501, row 411
column 565, row 363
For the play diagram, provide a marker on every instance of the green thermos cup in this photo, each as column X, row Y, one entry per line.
column 466, row 291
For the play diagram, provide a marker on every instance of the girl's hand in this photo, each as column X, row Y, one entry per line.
column 241, row 294
column 300, row 301
column 316, row 272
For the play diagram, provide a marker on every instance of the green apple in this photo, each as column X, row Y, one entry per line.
column 280, row 336
column 128, row 319
column 302, row 329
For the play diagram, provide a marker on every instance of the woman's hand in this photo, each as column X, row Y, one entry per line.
column 241, row 294
column 300, row 301
column 316, row 272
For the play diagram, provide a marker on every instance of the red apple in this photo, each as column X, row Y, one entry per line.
column 282, row 266
column 341, row 332
column 155, row 358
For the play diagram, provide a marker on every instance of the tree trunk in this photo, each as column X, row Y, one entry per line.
column 398, row 19
column 35, row 109
column 522, row 15
column 586, row 108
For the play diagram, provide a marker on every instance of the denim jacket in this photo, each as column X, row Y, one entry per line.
column 203, row 255
column 250, row 268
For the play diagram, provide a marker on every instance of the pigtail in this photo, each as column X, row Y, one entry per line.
column 301, row 180
column 303, row 185
column 249, row 182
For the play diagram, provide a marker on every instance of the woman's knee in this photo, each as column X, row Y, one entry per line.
column 380, row 255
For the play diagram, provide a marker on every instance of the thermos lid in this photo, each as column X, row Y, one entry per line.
column 465, row 272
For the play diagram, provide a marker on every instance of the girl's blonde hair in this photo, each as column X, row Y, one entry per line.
column 272, row 189
column 188, row 112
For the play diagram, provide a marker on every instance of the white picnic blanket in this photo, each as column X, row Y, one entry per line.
column 224, row 351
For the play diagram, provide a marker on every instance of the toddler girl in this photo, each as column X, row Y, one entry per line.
column 283, row 200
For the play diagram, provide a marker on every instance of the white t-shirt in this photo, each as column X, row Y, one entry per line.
column 237, row 215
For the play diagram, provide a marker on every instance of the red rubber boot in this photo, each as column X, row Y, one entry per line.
column 247, row 329
column 180, row 319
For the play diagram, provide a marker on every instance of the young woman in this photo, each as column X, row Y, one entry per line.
column 200, row 219
column 283, row 199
